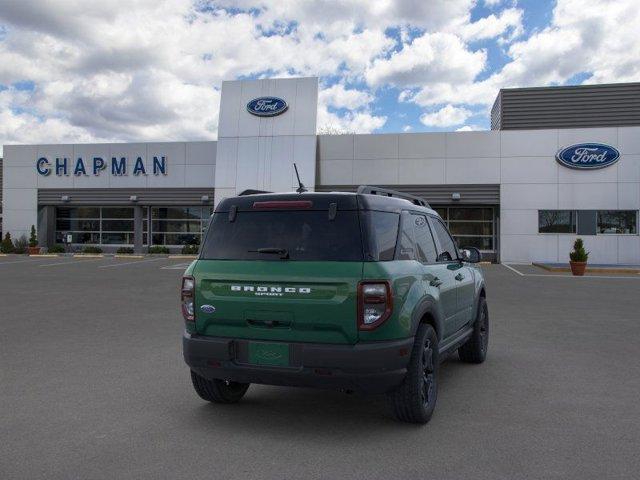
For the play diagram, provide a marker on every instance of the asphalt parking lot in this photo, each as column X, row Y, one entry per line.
column 92, row 385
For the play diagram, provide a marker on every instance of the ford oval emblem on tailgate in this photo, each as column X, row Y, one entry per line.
column 207, row 308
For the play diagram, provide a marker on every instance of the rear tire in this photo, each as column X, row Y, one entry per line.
column 218, row 391
column 475, row 349
column 415, row 400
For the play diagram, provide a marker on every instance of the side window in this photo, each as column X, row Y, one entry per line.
column 424, row 241
column 383, row 236
column 406, row 243
column 447, row 250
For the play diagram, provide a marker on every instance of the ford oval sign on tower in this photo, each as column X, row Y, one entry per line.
column 588, row 156
column 267, row 106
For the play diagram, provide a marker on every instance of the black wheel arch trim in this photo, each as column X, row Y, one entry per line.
column 427, row 306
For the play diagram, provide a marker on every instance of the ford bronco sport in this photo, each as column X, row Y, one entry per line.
column 361, row 291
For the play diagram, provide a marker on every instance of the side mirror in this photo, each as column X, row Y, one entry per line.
column 470, row 254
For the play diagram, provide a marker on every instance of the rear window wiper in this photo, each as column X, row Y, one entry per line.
column 283, row 252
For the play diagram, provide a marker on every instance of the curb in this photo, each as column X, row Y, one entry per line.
column 88, row 255
column 183, row 256
column 45, row 255
column 588, row 270
column 127, row 255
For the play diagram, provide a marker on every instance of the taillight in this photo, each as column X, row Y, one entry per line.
column 186, row 298
column 375, row 303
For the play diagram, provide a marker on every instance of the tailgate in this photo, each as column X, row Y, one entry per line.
column 296, row 301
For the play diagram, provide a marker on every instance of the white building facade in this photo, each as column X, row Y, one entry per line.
column 503, row 191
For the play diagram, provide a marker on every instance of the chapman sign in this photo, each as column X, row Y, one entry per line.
column 267, row 106
column 588, row 156
column 118, row 166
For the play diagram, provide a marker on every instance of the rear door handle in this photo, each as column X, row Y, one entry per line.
column 459, row 277
column 436, row 282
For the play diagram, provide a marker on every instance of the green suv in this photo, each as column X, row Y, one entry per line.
column 362, row 292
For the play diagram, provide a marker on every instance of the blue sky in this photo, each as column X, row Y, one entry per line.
column 77, row 71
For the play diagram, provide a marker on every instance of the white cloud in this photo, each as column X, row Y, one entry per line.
column 596, row 38
column 340, row 97
column 447, row 116
column 151, row 70
column 357, row 119
column 407, row 128
column 351, row 122
column 469, row 128
column 508, row 22
column 433, row 57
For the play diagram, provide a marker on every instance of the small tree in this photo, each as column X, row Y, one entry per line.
column 7, row 244
column 579, row 254
column 33, row 237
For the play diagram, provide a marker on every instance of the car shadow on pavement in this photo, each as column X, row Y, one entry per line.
column 304, row 412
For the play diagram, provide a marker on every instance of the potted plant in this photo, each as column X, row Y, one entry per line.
column 33, row 249
column 578, row 258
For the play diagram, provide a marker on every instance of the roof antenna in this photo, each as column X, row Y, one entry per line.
column 301, row 188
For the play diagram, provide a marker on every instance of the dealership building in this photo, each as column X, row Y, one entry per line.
column 558, row 163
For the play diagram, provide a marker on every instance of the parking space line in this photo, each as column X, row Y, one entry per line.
column 551, row 275
column 513, row 269
column 130, row 263
column 178, row 266
column 72, row 262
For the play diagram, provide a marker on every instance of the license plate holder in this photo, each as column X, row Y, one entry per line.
column 269, row 354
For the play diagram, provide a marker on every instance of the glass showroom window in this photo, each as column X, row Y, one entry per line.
column 556, row 221
column 117, row 226
column 179, row 225
column 618, row 221
column 82, row 223
column 470, row 226
column 95, row 225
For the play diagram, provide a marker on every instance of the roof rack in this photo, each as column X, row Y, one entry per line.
column 252, row 192
column 385, row 192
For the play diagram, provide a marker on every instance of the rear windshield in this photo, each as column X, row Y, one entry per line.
column 304, row 235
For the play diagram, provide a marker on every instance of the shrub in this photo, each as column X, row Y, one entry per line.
column 57, row 248
column 91, row 249
column 125, row 251
column 20, row 245
column 579, row 254
column 33, row 238
column 158, row 249
column 190, row 250
column 7, row 245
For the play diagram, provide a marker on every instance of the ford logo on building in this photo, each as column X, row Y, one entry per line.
column 588, row 156
column 267, row 106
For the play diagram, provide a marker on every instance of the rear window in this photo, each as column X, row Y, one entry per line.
column 305, row 235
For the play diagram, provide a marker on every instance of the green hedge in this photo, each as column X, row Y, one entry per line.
column 190, row 250
column 158, row 249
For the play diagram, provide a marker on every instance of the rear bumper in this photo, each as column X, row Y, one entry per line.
column 373, row 367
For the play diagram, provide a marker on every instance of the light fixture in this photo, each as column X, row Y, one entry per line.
column 204, row 198
column 455, row 196
column 65, row 198
column 133, row 198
